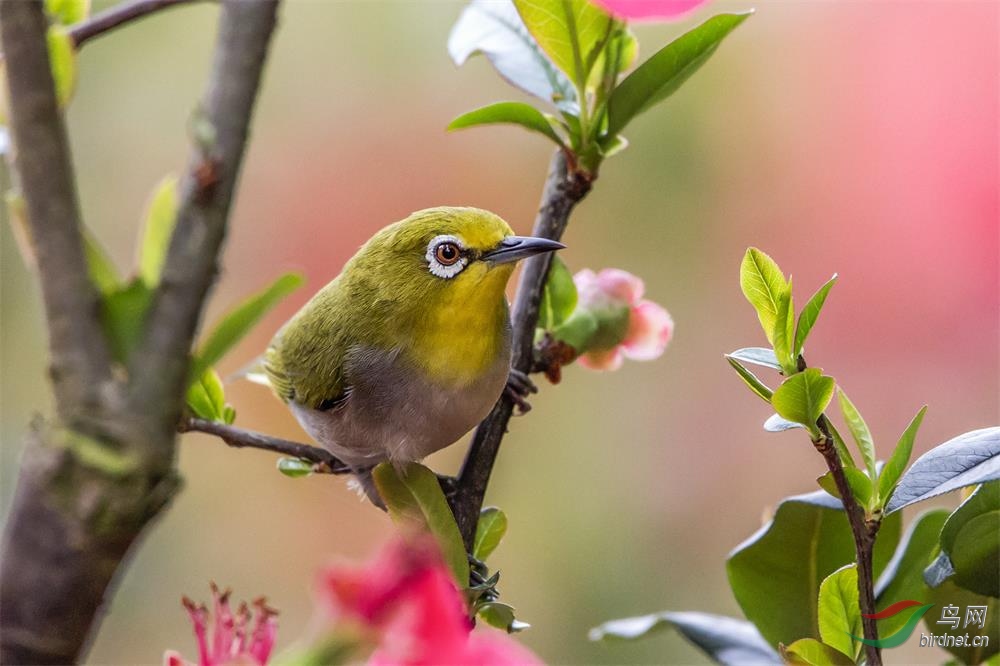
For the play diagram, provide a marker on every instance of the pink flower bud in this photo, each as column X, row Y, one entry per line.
column 238, row 639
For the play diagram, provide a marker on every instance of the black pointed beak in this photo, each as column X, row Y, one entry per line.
column 513, row 248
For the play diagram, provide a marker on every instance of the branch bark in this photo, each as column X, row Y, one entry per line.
column 94, row 478
column 117, row 16
column 565, row 186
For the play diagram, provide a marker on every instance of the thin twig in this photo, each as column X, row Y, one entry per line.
column 565, row 186
column 117, row 16
column 324, row 461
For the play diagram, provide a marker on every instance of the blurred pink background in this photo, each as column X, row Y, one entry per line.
column 851, row 137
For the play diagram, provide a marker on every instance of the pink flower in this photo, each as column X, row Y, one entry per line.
column 406, row 602
column 627, row 325
column 238, row 639
column 649, row 9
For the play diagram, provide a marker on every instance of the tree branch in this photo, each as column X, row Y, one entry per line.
column 565, row 186
column 80, row 362
column 117, row 16
column 325, row 461
column 159, row 367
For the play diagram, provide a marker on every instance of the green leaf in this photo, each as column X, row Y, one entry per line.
column 501, row 616
column 893, row 469
column 206, row 398
column 660, row 76
column 903, row 579
column 967, row 460
column 839, row 614
column 751, row 380
column 784, row 331
column 838, row 442
column 579, row 330
column 810, row 652
column 970, row 539
column 861, row 485
column 949, row 594
column 571, row 32
column 775, row 575
column 763, row 284
column 62, row 60
column 102, row 270
column 123, row 312
column 809, row 315
column 763, row 356
column 725, row 639
column 67, row 12
column 496, row 30
column 517, row 113
column 859, row 431
column 559, row 296
column 238, row 322
column 295, row 467
column 414, row 499
column 161, row 214
column 803, row 397
column 490, row 530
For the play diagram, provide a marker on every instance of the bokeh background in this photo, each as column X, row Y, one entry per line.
column 856, row 137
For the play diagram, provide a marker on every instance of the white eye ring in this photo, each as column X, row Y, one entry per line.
column 435, row 266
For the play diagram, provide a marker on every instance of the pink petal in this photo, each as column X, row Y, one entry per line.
column 649, row 9
column 621, row 285
column 173, row 658
column 605, row 359
column 649, row 332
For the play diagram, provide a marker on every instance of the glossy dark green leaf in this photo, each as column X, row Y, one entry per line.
column 515, row 113
column 161, row 213
column 775, row 574
column 803, row 397
column 809, row 315
column 751, row 380
column 902, row 579
column 839, row 614
column 415, row 500
column 663, row 73
column 811, row 652
column 294, row 467
column 949, row 594
column 970, row 542
column 859, row 431
column 894, row 467
column 235, row 324
column 757, row 356
column 967, row 460
column 490, row 530
column 495, row 29
column 763, row 285
column 571, row 32
column 726, row 640
column 123, row 312
column 559, row 296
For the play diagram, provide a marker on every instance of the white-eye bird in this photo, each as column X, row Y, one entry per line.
column 409, row 347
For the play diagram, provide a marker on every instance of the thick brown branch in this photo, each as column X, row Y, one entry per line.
column 325, row 461
column 159, row 366
column 80, row 361
column 565, row 186
column 117, row 16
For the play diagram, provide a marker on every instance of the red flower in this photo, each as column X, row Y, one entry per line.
column 238, row 638
column 406, row 603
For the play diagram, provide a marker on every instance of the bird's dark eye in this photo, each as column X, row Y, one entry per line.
column 447, row 254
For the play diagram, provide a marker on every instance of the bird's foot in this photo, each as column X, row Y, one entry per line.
column 519, row 387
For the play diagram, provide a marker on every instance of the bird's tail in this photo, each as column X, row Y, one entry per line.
column 252, row 372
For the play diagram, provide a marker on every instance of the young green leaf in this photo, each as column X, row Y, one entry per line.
column 238, row 322
column 839, row 613
column 496, row 30
column 414, row 499
column 861, row 485
column 751, row 380
column 516, row 113
column 784, row 331
column 894, row 467
column 559, row 296
column 660, row 76
column 809, row 315
column 571, row 32
column 803, row 397
column 763, row 284
column 294, row 467
column 62, row 60
column 161, row 213
column 838, row 442
column 860, row 432
column 206, row 398
column 123, row 312
column 102, row 270
column 811, row 652
column 501, row 616
column 67, row 12
column 490, row 531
